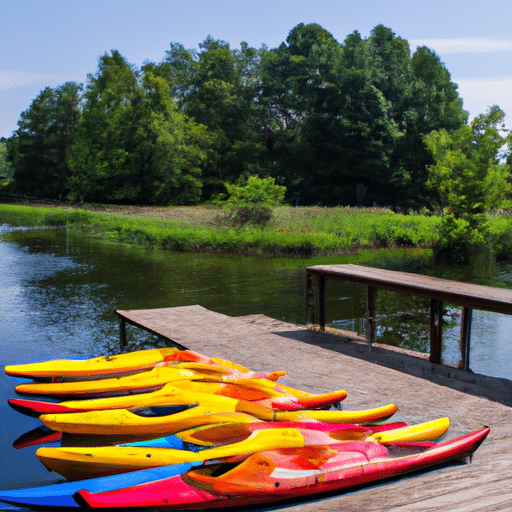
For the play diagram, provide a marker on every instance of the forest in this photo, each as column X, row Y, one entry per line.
column 361, row 122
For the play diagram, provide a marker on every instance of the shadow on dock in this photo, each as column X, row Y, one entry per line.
column 402, row 360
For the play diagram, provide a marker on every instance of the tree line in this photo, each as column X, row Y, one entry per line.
column 349, row 123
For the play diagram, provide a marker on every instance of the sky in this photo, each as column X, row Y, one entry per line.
column 49, row 42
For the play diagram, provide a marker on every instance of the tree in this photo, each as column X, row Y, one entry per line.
column 132, row 145
column 435, row 104
column 291, row 75
column 40, row 147
column 6, row 170
column 176, row 148
column 104, row 161
column 469, row 179
column 217, row 87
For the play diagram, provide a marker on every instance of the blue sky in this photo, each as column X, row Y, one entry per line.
column 48, row 42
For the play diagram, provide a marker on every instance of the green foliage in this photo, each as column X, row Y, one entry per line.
column 40, row 147
column 6, row 169
column 336, row 123
column 469, row 180
column 252, row 203
column 132, row 145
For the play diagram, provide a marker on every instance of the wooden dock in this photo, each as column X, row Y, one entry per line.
column 322, row 361
column 439, row 291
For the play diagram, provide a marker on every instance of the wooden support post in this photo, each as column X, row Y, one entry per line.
column 122, row 331
column 311, row 301
column 371, row 316
column 436, row 330
column 321, row 302
column 465, row 337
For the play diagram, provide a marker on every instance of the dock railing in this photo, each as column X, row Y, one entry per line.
column 439, row 291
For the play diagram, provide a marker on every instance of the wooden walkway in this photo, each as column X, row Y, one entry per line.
column 320, row 362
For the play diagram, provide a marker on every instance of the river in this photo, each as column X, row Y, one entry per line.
column 59, row 290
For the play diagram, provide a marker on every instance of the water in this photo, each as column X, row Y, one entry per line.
column 59, row 290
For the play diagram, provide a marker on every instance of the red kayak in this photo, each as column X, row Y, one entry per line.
column 287, row 473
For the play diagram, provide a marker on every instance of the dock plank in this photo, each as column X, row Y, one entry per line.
column 319, row 362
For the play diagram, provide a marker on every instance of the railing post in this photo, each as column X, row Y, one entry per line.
column 122, row 332
column 311, row 300
column 465, row 337
column 371, row 316
column 436, row 330
column 321, row 302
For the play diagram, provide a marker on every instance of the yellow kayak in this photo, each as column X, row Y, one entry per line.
column 120, row 364
column 208, row 435
column 153, row 421
column 80, row 463
column 213, row 379
column 428, row 431
column 139, row 383
column 171, row 394
column 170, row 419
column 105, row 365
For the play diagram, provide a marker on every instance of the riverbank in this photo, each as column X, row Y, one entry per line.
column 292, row 231
column 307, row 231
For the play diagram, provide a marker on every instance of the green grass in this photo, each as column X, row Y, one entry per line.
column 306, row 231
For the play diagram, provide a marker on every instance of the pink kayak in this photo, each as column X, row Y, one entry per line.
column 281, row 474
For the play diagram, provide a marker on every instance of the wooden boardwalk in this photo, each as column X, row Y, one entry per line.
column 320, row 362
column 470, row 296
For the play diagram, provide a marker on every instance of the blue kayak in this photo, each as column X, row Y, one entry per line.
column 61, row 495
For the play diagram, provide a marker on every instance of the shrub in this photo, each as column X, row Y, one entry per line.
column 252, row 203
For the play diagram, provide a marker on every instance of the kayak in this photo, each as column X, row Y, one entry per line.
column 61, row 494
column 383, row 433
column 81, row 463
column 105, row 365
column 116, row 365
column 204, row 435
column 150, row 380
column 218, row 434
column 86, row 462
column 142, row 382
column 156, row 378
column 275, row 475
column 151, row 421
column 170, row 394
column 158, row 420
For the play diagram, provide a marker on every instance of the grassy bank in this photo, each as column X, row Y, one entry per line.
column 292, row 231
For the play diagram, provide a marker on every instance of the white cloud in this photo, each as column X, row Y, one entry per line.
column 9, row 79
column 478, row 45
column 479, row 95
